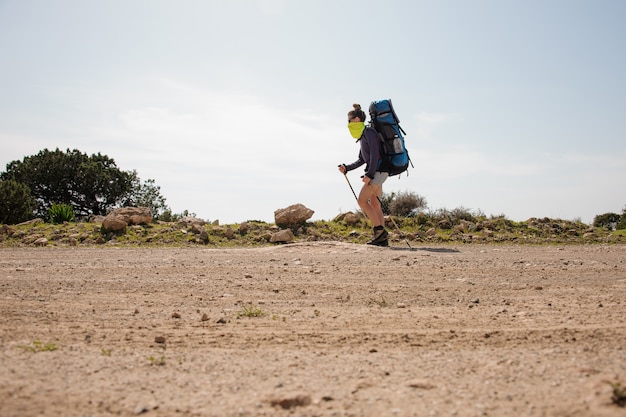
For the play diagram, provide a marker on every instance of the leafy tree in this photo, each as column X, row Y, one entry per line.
column 90, row 184
column 146, row 194
column 16, row 203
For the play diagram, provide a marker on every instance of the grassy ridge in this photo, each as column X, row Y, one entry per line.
column 257, row 233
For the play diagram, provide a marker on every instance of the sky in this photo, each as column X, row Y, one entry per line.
column 238, row 108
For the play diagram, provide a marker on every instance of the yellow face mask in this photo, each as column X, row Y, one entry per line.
column 356, row 129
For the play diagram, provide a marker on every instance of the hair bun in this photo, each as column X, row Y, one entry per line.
column 356, row 106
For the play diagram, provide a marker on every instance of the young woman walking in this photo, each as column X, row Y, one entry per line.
column 372, row 190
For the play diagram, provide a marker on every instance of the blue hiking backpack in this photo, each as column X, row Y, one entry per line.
column 395, row 157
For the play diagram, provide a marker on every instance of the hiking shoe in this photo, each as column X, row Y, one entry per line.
column 379, row 237
column 384, row 243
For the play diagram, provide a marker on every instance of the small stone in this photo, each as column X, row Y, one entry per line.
column 141, row 409
column 420, row 384
column 176, row 315
column 159, row 339
column 41, row 242
column 291, row 402
column 222, row 320
column 204, row 317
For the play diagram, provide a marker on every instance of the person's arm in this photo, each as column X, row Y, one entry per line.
column 359, row 162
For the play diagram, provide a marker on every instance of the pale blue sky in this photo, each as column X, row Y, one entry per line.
column 237, row 108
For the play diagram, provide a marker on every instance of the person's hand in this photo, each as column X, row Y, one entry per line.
column 342, row 169
column 366, row 179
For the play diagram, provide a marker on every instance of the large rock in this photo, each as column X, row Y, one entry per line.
column 282, row 236
column 293, row 215
column 350, row 218
column 119, row 218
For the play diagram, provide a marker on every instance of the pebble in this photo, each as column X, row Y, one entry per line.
column 287, row 403
column 420, row 383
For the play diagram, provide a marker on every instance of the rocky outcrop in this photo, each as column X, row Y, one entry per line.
column 119, row 218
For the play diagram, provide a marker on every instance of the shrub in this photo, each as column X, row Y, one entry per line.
column 407, row 204
column 455, row 216
column 403, row 204
column 385, row 201
column 16, row 202
column 622, row 223
column 251, row 311
column 168, row 216
column 60, row 213
column 607, row 220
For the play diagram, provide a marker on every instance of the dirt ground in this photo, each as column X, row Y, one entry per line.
column 313, row 329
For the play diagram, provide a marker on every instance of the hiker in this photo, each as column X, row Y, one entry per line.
column 372, row 190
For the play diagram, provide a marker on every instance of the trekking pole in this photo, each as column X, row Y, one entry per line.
column 353, row 193
column 394, row 222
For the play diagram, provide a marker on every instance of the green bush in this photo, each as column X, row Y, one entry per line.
column 60, row 213
column 621, row 225
column 607, row 220
column 168, row 216
column 16, row 202
column 455, row 216
column 407, row 204
column 402, row 204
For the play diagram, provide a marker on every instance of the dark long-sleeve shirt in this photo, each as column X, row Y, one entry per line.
column 369, row 153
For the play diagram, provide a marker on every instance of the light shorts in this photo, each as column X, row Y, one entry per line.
column 379, row 178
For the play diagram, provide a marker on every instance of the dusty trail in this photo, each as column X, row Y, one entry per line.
column 343, row 330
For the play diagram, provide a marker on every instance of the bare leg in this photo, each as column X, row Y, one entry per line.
column 368, row 201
